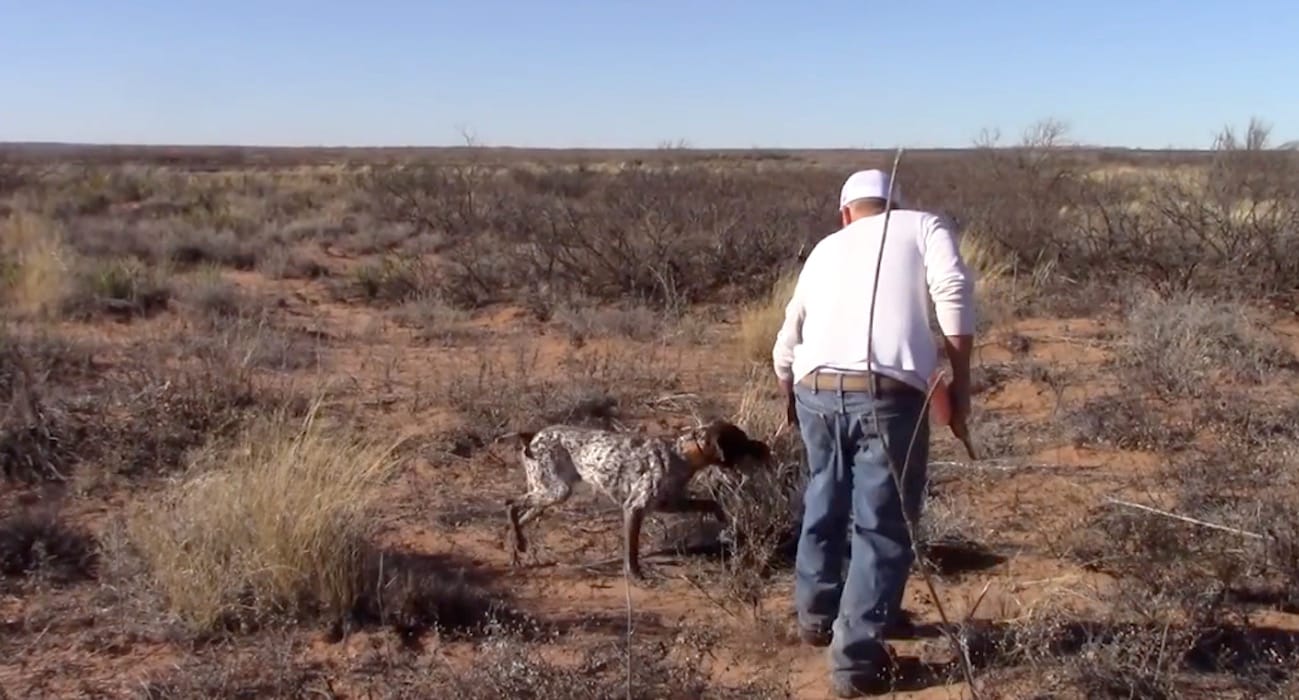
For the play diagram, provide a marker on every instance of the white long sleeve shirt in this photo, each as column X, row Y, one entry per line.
column 826, row 319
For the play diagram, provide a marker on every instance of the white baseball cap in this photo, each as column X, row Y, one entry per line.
column 868, row 184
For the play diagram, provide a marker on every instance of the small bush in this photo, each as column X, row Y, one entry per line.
column 1178, row 347
column 393, row 280
column 248, row 343
column 766, row 507
column 1127, row 423
column 636, row 323
column 62, row 410
column 285, row 262
column 39, row 544
column 190, row 247
column 124, row 287
column 34, row 264
column 157, row 416
column 214, row 296
column 282, row 529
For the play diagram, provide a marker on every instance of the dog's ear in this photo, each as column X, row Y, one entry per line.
column 727, row 441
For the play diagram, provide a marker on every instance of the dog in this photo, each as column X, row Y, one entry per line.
column 642, row 473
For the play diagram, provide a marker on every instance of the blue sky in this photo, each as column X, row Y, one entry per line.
column 624, row 73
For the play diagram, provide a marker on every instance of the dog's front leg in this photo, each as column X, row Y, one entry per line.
column 632, row 520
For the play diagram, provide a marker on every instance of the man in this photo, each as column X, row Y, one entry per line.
column 835, row 391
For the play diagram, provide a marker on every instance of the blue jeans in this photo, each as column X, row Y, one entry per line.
column 851, row 483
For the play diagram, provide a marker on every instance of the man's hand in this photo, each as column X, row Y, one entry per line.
column 959, row 392
column 958, row 349
column 791, row 409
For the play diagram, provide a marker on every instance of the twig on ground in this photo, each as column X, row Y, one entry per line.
column 1186, row 519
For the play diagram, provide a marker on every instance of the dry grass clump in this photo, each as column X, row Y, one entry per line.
column 34, row 264
column 1178, row 347
column 122, row 287
column 281, row 528
column 41, row 276
column 760, row 321
column 765, row 507
column 39, row 436
column 636, row 323
column 215, row 297
column 995, row 292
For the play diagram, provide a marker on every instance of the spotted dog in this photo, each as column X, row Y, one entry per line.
column 642, row 473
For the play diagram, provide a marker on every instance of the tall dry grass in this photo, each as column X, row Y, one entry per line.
column 760, row 321
column 34, row 264
column 995, row 283
column 278, row 523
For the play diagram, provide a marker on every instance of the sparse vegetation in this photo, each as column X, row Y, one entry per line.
column 164, row 310
column 283, row 526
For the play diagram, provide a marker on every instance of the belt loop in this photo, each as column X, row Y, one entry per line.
column 816, row 381
column 874, row 384
column 839, row 383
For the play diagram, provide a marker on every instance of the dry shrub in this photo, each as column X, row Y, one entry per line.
column 591, row 387
column 1178, row 347
column 247, row 343
column 1126, row 422
column 149, row 423
column 635, row 323
column 214, row 296
column 508, row 669
column 39, row 544
column 662, row 237
column 1193, row 591
column 288, row 262
column 189, row 247
column 761, row 321
column 269, row 672
column 435, row 321
column 281, row 528
column 39, row 437
column 123, row 287
column 34, row 264
column 393, row 279
column 503, row 667
column 765, row 507
column 64, row 411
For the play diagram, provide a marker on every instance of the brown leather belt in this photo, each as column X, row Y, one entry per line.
column 856, row 381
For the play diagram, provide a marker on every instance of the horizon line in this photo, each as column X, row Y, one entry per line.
column 588, row 149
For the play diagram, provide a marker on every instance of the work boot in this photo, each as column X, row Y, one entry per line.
column 875, row 679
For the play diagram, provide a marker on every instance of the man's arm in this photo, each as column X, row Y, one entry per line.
column 951, row 287
column 782, row 353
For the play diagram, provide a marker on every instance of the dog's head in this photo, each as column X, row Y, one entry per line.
column 726, row 445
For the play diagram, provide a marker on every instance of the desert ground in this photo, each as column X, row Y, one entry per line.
column 251, row 400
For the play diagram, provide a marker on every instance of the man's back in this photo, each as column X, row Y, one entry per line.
column 826, row 322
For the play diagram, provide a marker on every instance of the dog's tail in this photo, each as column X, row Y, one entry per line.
column 521, row 438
